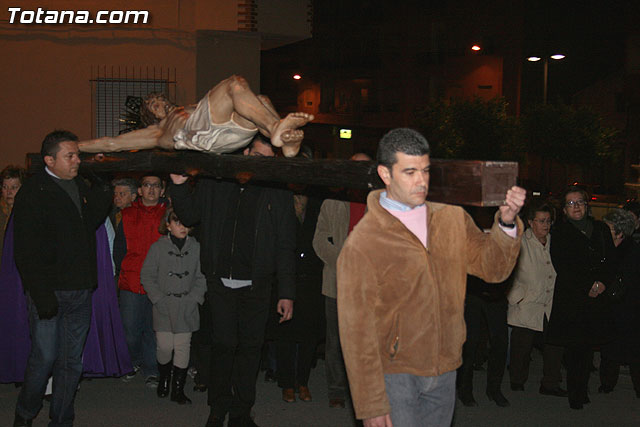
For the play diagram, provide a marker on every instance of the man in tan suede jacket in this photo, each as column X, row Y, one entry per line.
column 401, row 288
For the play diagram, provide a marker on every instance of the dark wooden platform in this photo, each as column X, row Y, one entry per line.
column 463, row 182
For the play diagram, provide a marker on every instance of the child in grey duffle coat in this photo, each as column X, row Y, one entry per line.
column 175, row 285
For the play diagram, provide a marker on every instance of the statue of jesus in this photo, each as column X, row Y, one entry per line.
column 225, row 120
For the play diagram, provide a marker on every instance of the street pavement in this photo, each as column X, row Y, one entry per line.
column 111, row 402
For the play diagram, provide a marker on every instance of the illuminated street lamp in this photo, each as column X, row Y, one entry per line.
column 297, row 77
column 476, row 48
column 545, row 65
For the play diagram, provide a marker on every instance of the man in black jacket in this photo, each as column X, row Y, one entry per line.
column 56, row 217
column 247, row 235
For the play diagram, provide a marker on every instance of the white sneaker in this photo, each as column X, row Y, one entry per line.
column 131, row 375
column 151, row 381
column 192, row 372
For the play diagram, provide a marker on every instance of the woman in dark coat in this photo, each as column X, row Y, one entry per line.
column 625, row 348
column 297, row 339
column 581, row 253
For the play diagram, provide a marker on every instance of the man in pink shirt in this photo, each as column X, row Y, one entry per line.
column 401, row 284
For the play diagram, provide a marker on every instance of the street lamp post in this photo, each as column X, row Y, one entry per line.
column 545, row 71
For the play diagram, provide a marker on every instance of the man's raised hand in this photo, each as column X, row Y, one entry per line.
column 513, row 202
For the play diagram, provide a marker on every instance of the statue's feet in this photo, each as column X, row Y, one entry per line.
column 292, row 140
column 286, row 130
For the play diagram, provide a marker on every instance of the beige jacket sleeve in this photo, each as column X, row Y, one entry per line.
column 331, row 232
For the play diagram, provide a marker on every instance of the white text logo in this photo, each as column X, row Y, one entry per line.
column 41, row 16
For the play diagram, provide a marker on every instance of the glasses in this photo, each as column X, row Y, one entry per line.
column 572, row 203
column 543, row 221
column 149, row 185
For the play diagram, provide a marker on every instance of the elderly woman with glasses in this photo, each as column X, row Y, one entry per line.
column 625, row 296
column 581, row 254
column 530, row 301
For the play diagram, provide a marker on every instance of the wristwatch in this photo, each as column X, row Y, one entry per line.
column 504, row 224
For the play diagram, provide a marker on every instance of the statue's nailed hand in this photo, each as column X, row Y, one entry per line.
column 178, row 179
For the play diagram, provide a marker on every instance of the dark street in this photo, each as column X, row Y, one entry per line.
column 111, row 402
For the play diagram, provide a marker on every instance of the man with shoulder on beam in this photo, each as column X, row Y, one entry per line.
column 56, row 217
column 401, row 286
column 248, row 239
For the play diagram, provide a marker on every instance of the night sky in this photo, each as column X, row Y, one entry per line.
column 592, row 34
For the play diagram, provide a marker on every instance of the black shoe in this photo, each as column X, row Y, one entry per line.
column 467, row 399
column 164, row 379
column 517, row 387
column 605, row 389
column 556, row 391
column 177, row 386
column 269, row 376
column 214, row 421
column 245, row 421
column 575, row 405
column 499, row 398
column 200, row 387
column 18, row 421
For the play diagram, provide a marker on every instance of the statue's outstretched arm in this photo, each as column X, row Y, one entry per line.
column 150, row 137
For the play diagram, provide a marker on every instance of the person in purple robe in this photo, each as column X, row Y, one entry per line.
column 105, row 353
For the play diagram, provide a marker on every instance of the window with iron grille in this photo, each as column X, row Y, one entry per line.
column 117, row 98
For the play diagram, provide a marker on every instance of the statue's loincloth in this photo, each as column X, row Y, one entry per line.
column 201, row 134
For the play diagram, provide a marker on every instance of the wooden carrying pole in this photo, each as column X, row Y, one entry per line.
column 463, row 182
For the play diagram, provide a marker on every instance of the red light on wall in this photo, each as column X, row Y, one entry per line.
column 476, row 48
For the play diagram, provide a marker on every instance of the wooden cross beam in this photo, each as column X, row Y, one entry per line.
column 463, row 182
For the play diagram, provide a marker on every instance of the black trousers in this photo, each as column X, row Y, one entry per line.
column 201, row 345
column 492, row 315
column 579, row 359
column 333, row 359
column 239, row 317
column 522, row 342
column 294, row 361
column 610, row 362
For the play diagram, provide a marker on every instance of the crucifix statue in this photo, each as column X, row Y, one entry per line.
column 225, row 120
column 228, row 118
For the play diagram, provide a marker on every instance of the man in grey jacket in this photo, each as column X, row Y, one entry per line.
column 331, row 232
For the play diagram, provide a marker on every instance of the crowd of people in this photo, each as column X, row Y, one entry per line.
column 573, row 290
column 401, row 296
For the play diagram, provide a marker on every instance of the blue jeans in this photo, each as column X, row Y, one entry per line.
column 56, row 348
column 421, row 401
column 137, row 320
